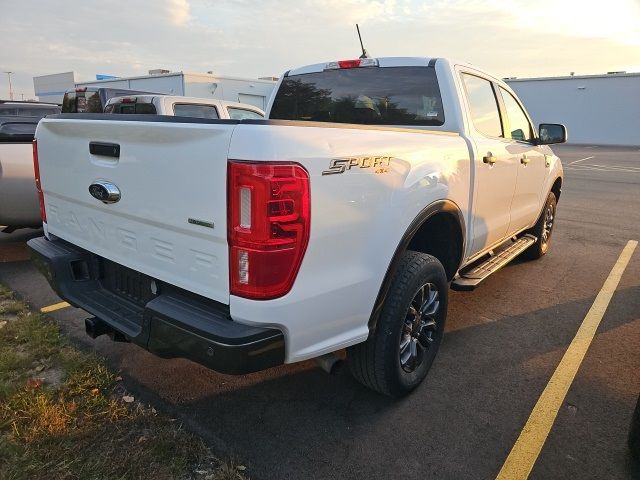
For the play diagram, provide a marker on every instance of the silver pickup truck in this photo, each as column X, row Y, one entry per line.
column 18, row 198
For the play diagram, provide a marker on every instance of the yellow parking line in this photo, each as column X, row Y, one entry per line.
column 54, row 307
column 525, row 451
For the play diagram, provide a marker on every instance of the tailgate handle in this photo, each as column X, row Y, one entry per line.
column 104, row 149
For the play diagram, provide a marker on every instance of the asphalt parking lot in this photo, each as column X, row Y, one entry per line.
column 503, row 343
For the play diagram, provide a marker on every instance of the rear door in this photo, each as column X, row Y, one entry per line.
column 527, row 201
column 170, row 221
column 495, row 167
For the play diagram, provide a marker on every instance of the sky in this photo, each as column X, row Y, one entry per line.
column 252, row 38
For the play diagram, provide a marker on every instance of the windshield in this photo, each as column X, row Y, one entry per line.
column 373, row 96
column 82, row 102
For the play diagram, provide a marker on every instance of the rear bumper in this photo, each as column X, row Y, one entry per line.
column 169, row 323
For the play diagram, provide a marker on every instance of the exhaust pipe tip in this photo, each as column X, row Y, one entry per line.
column 330, row 363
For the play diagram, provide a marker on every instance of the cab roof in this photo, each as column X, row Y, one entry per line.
column 382, row 62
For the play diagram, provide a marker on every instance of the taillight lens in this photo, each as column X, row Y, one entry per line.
column 268, row 219
column 355, row 63
column 36, row 171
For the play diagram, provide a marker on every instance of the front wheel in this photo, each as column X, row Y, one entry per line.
column 543, row 229
column 398, row 356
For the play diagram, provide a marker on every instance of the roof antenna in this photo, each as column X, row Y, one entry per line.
column 365, row 54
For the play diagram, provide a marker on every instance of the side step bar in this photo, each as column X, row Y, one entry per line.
column 469, row 279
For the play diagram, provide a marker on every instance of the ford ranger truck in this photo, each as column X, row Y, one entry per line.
column 340, row 222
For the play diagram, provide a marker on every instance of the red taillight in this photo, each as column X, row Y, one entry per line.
column 36, row 171
column 349, row 63
column 356, row 63
column 81, row 89
column 128, row 100
column 268, row 219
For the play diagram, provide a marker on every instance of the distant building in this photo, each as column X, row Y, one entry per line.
column 51, row 88
column 204, row 85
column 597, row 109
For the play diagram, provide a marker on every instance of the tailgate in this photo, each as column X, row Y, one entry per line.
column 170, row 220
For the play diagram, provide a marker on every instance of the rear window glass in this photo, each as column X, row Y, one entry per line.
column 81, row 102
column 195, row 111
column 372, row 95
column 27, row 111
column 6, row 110
column 37, row 112
column 241, row 114
column 139, row 108
column 17, row 131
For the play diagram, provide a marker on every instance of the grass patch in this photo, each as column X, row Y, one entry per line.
column 64, row 415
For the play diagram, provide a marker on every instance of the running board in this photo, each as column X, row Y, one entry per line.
column 469, row 279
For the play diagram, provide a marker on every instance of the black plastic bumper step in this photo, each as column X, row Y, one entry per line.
column 472, row 277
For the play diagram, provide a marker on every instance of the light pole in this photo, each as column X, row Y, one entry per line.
column 10, row 88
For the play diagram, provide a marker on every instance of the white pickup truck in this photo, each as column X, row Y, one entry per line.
column 182, row 107
column 342, row 221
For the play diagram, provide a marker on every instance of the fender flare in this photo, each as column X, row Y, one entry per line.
column 439, row 206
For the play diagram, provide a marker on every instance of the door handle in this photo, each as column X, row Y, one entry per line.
column 489, row 158
column 524, row 159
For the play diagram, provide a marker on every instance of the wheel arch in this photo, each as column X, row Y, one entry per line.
column 442, row 214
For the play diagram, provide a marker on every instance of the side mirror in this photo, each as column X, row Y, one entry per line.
column 551, row 133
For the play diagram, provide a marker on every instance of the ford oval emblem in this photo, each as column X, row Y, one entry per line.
column 104, row 191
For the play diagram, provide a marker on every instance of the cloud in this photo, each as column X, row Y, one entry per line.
column 254, row 38
column 179, row 12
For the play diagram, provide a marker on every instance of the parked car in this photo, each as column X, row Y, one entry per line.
column 341, row 221
column 18, row 199
column 182, row 107
column 93, row 99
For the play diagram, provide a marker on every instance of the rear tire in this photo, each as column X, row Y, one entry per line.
column 542, row 230
column 398, row 355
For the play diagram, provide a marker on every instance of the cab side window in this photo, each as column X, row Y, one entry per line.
column 483, row 105
column 242, row 113
column 195, row 111
column 518, row 122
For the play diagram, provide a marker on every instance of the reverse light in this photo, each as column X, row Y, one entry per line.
column 36, row 171
column 268, row 222
column 355, row 63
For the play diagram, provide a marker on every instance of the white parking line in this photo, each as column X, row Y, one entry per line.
column 581, row 160
column 618, row 167
column 601, row 168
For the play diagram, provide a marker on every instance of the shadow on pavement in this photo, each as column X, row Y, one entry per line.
column 299, row 422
